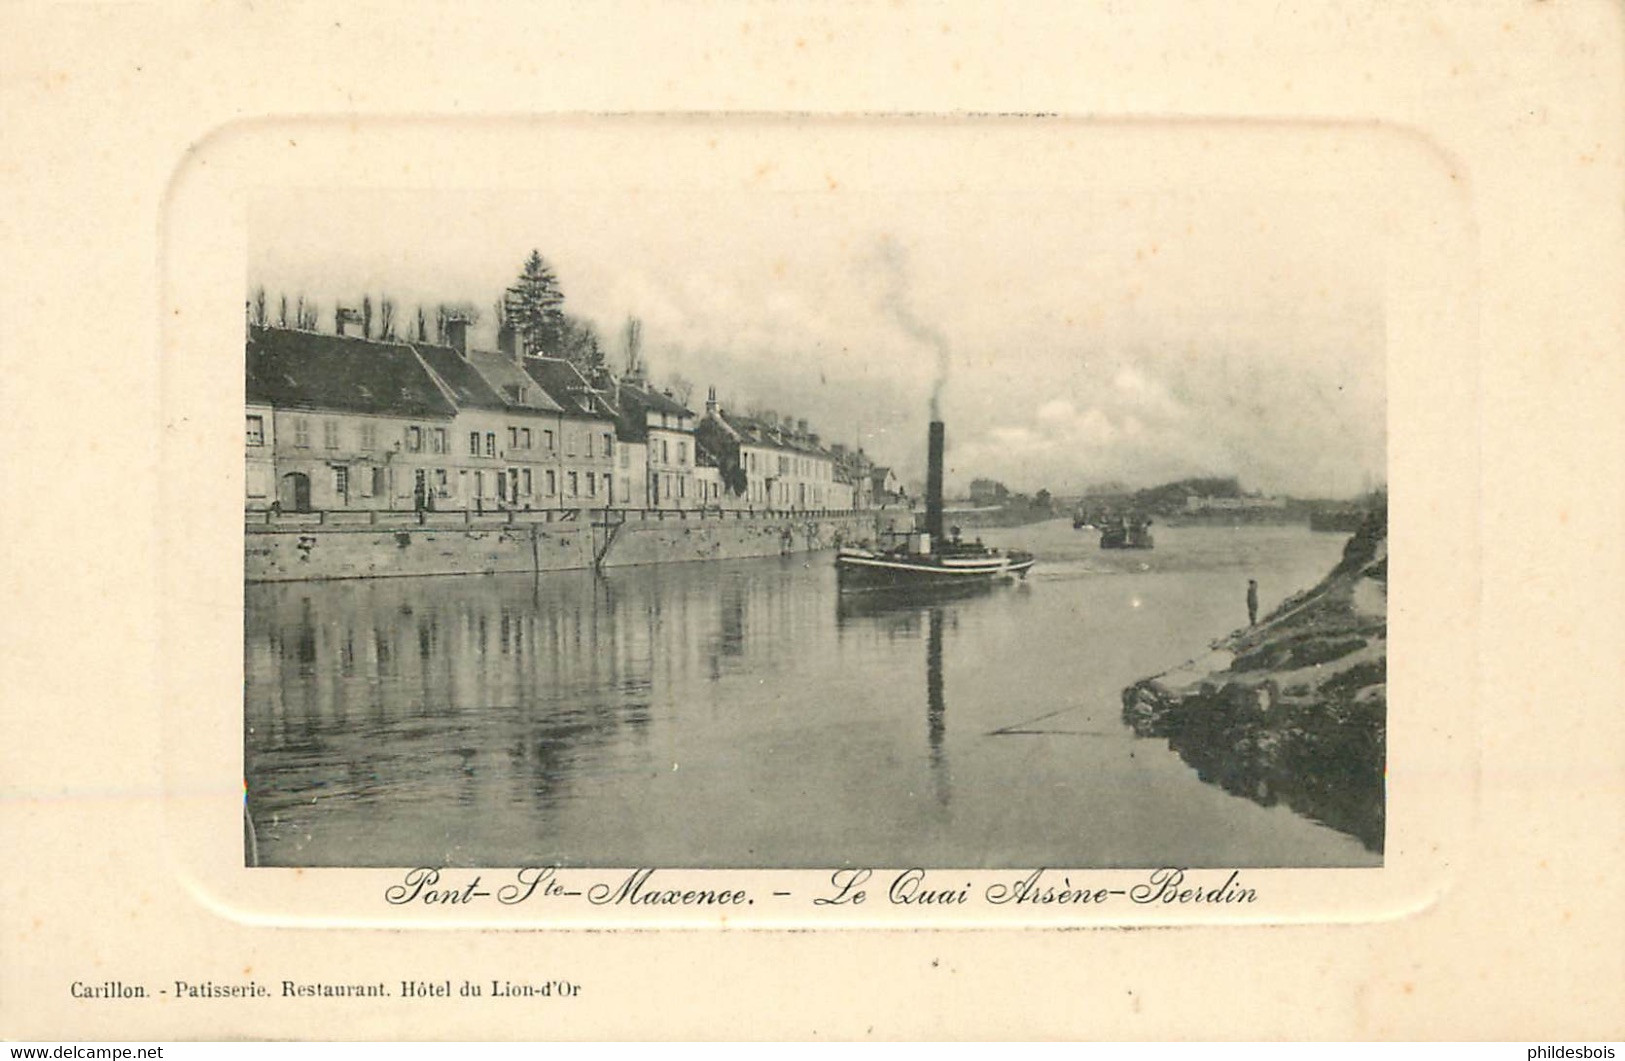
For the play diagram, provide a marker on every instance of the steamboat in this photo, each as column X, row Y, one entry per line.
column 927, row 558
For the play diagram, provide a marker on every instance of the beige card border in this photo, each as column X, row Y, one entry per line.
column 1507, row 306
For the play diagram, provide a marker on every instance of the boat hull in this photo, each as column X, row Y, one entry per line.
column 865, row 571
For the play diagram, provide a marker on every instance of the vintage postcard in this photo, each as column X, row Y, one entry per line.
column 731, row 535
column 916, row 525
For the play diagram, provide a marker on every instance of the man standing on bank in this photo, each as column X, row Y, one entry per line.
column 1252, row 602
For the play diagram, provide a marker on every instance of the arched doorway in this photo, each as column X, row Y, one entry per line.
column 293, row 492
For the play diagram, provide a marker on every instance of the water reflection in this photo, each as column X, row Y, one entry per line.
column 730, row 714
column 936, row 707
column 1325, row 762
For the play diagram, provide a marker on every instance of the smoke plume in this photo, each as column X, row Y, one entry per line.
column 893, row 259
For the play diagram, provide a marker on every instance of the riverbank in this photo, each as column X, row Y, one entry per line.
column 1012, row 515
column 380, row 545
column 1292, row 710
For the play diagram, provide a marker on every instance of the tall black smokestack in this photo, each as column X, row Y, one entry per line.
column 933, row 484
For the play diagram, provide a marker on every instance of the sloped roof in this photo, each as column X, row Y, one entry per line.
column 467, row 386
column 757, row 433
column 635, row 402
column 566, row 385
column 512, row 384
column 294, row 369
column 655, row 401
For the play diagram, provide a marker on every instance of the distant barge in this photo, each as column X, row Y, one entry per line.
column 928, row 559
column 1127, row 534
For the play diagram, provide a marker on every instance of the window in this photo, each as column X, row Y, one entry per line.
column 490, row 444
column 589, row 443
column 549, row 436
column 369, row 436
column 440, row 440
column 330, row 434
column 575, row 486
column 441, row 482
column 682, row 453
column 502, row 487
column 380, row 485
column 609, row 443
column 341, row 483
column 592, row 485
column 526, row 475
column 524, row 438
column 301, row 432
column 552, row 484
column 609, row 488
column 414, row 439
column 513, row 438
column 256, row 431
column 473, row 443
column 682, row 486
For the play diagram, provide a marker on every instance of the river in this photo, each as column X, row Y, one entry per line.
column 742, row 714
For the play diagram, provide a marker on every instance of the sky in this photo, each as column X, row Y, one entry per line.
column 1076, row 323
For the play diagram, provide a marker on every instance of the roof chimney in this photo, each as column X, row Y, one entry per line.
column 711, row 402
column 457, row 334
column 801, row 427
column 509, row 343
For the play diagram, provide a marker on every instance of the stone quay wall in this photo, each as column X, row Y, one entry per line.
column 333, row 545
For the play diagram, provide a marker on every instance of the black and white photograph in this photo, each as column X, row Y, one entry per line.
column 893, row 519
column 857, row 522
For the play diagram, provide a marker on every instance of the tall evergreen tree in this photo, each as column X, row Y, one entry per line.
column 535, row 306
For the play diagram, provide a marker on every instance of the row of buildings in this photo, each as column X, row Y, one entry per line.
column 340, row 422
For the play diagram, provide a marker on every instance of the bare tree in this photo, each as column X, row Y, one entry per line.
column 681, row 387
column 446, row 312
column 633, row 336
column 366, row 316
column 423, row 326
column 259, row 305
column 282, row 311
column 578, row 343
column 386, row 318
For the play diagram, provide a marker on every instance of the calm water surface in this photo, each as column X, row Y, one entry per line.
column 742, row 714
